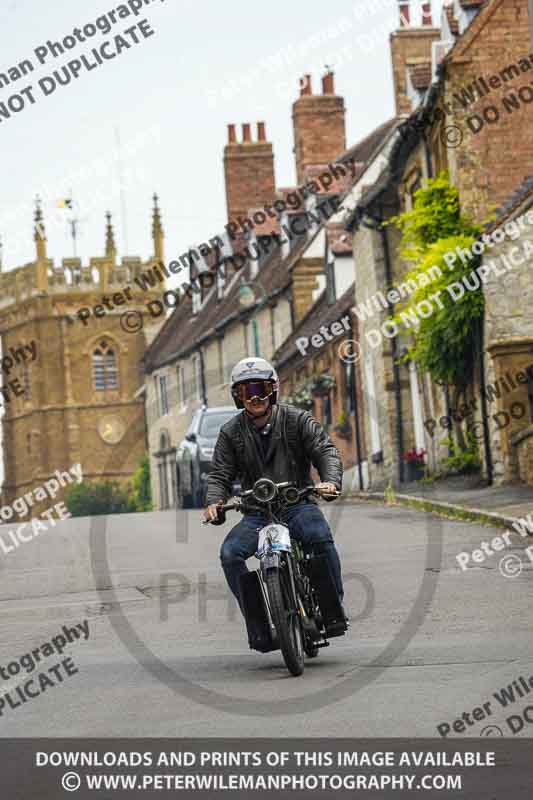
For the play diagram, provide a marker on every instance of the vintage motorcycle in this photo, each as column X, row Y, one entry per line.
column 290, row 602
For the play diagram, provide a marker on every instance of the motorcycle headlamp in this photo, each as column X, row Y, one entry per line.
column 264, row 490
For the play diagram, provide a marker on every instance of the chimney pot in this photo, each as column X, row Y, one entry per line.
column 328, row 83
column 261, row 132
column 246, row 135
column 232, row 136
column 426, row 14
column 305, row 85
column 404, row 13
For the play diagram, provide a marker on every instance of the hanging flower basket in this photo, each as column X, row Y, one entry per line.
column 321, row 385
column 302, row 398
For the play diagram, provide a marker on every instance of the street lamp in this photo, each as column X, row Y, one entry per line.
column 253, row 295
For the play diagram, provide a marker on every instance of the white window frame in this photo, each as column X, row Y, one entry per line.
column 222, row 365
column 157, row 400
column 221, row 281
column 197, row 377
column 375, row 437
column 163, row 392
column 418, row 419
column 182, row 386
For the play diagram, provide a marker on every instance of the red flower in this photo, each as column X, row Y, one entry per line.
column 414, row 455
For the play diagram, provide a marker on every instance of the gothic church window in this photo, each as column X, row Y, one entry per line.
column 105, row 374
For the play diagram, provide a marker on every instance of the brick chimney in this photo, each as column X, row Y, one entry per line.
column 249, row 171
column 319, row 127
column 410, row 44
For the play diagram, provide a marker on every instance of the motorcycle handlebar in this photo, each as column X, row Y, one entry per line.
column 238, row 505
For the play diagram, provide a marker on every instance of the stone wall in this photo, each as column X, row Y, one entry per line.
column 509, row 344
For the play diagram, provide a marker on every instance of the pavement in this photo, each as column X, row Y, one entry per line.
column 167, row 653
column 504, row 503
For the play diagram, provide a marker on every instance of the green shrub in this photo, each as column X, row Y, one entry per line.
column 443, row 343
column 93, row 499
column 142, row 489
column 462, row 462
column 109, row 497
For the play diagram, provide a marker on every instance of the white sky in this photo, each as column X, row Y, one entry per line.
column 167, row 94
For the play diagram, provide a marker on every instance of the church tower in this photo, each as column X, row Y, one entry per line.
column 73, row 337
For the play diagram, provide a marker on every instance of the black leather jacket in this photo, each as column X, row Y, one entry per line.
column 297, row 442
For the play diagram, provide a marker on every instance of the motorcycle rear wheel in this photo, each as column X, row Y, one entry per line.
column 287, row 624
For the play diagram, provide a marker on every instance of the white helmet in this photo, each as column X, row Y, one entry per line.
column 253, row 369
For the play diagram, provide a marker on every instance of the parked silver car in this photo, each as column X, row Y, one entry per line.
column 195, row 454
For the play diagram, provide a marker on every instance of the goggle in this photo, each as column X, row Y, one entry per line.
column 254, row 390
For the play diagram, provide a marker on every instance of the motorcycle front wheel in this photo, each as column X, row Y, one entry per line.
column 287, row 622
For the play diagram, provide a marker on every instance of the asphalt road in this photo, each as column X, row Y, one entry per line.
column 167, row 652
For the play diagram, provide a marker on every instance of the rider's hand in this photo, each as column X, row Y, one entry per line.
column 327, row 490
column 211, row 512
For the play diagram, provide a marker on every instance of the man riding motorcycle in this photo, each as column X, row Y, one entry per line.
column 279, row 442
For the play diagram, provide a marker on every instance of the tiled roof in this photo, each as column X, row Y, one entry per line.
column 521, row 193
column 452, row 21
column 268, row 227
column 363, row 150
column 295, row 191
column 420, row 75
column 340, row 183
column 183, row 331
column 321, row 313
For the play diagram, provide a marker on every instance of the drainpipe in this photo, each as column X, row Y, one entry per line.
column 202, row 377
column 355, row 401
column 378, row 226
column 530, row 8
column 427, row 152
column 484, row 409
column 394, row 347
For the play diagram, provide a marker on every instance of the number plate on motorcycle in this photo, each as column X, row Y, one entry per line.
column 273, row 538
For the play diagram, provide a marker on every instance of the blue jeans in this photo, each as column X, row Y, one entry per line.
column 306, row 524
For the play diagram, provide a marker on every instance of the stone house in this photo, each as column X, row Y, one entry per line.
column 407, row 400
column 321, row 344
column 508, row 343
column 329, row 309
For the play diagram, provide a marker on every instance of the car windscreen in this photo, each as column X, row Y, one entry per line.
column 211, row 424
